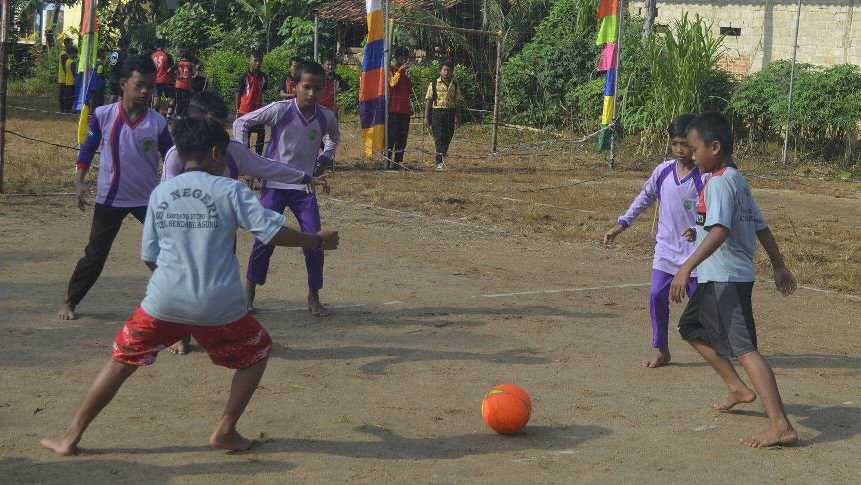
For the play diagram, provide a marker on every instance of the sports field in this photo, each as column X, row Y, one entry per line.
column 445, row 285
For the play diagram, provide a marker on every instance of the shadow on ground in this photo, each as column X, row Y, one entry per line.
column 400, row 355
column 96, row 470
column 388, row 445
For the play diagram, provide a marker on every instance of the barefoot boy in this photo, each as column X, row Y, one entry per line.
column 299, row 126
column 718, row 320
column 675, row 185
column 132, row 139
column 195, row 287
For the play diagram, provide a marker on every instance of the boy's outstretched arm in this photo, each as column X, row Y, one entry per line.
column 643, row 201
column 717, row 235
column 783, row 278
column 287, row 236
column 267, row 115
column 85, row 157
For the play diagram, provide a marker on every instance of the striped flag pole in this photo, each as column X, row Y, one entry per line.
column 609, row 34
column 87, row 65
column 372, row 83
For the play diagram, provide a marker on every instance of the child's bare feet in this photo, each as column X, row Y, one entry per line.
column 663, row 358
column 230, row 441
column 316, row 308
column 773, row 436
column 67, row 312
column 61, row 445
column 182, row 347
column 734, row 398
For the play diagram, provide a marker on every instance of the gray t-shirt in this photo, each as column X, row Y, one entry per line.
column 189, row 233
column 726, row 200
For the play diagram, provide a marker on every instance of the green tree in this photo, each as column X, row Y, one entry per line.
column 191, row 27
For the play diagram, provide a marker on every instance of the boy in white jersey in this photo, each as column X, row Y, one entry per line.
column 195, row 288
column 718, row 320
column 299, row 126
column 132, row 140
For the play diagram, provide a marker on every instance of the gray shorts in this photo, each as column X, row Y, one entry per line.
column 721, row 315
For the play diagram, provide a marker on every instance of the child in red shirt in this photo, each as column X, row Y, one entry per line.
column 184, row 70
column 249, row 97
column 400, row 110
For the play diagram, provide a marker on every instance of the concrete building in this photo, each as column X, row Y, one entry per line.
column 759, row 32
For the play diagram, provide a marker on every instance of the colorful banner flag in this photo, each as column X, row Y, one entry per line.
column 87, row 65
column 608, row 36
column 372, row 83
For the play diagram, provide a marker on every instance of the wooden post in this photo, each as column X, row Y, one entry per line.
column 316, row 39
column 791, row 82
column 495, row 138
column 651, row 13
column 4, row 72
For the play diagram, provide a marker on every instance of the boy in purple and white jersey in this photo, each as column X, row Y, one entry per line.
column 675, row 184
column 299, row 126
column 132, row 140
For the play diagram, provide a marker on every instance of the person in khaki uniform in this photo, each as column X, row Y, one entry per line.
column 442, row 110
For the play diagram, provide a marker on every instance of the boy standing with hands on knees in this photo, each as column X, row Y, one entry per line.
column 718, row 320
column 195, row 287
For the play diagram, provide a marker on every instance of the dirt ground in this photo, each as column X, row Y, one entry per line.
column 439, row 297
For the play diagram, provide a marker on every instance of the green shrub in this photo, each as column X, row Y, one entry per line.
column 224, row 69
column 276, row 65
column 42, row 78
column 348, row 100
column 826, row 107
column 191, row 27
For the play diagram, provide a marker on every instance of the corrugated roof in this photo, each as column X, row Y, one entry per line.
column 354, row 10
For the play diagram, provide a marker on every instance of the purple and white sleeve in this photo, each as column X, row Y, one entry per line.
column 330, row 144
column 644, row 199
column 253, row 165
column 165, row 141
column 267, row 115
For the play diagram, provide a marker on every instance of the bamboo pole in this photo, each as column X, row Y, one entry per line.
column 387, row 71
column 791, row 82
column 495, row 139
column 619, row 31
column 4, row 61
column 316, row 38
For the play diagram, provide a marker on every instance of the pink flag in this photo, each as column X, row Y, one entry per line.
column 608, row 58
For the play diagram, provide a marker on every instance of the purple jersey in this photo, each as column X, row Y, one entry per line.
column 678, row 213
column 241, row 161
column 130, row 153
column 295, row 140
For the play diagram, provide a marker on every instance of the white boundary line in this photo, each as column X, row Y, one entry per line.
column 563, row 290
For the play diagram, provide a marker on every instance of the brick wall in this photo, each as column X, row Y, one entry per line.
column 827, row 34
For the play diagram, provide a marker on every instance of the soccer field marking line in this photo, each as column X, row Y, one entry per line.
column 511, row 199
column 830, row 292
column 562, row 290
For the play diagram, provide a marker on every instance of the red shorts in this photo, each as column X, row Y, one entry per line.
column 237, row 345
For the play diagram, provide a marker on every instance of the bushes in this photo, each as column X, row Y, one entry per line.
column 826, row 107
column 348, row 101
column 559, row 58
column 192, row 27
column 224, row 68
column 41, row 77
column 422, row 76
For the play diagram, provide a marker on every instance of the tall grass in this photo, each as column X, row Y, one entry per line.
column 679, row 74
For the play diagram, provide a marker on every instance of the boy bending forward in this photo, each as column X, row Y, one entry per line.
column 718, row 321
column 195, row 288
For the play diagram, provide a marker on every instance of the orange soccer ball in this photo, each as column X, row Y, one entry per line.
column 506, row 408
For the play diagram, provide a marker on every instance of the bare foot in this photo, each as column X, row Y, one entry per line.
column 663, row 358
column 316, row 308
column 232, row 441
column 182, row 347
column 61, row 445
column 67, row 312
column 734, row 398
column 783, row 436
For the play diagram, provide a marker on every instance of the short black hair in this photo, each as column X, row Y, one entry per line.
column 308, row 67
column 141, row 64
column 295, row 59
column 255, row 55
column 713, row 127
column 679, row 126
column 206, row 104
column 195, row 136
column 447, row 63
